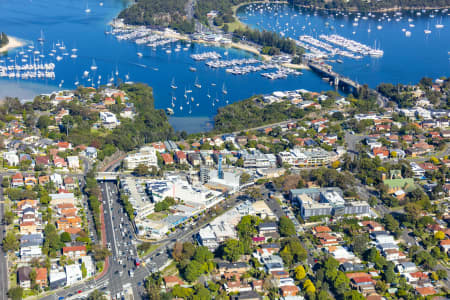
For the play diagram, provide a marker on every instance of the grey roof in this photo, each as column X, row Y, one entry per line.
column 23, row 274
column 271, row 245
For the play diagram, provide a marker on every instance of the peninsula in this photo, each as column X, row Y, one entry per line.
column 8, row 42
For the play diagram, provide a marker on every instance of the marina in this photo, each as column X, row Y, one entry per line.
column 156, row 57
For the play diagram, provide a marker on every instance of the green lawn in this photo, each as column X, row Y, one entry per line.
column 152, row 248
column 157, row 216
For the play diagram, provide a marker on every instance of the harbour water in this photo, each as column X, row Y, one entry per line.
column 68, row 24
column 407, row 56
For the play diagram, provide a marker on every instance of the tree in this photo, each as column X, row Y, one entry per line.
column 141, row 170
column 202, row 254
column 10, row 242
column 286, row 227
column 439, row 235
column 43, row 122
column 245, row 177
column 359, row 244
column 300, row 272
column 309, row 287
column 442, row 274
column 100, row 253
column 232, row 250
column 67, row 122
column 193, row 271
column 389, row 275
column 9, row 217
column 83, row 270
column 335, row 164
column 15, row 293
column 65, row 237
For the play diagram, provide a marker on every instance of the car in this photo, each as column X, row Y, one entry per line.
column 79, row 291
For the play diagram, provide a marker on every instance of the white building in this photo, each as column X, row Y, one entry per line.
column 108, row 119
column 73, row 162
column 146, row 156
column 56, row 179
column 89, row 265
column 73, row 274
column 300, row 157
column 11, row 157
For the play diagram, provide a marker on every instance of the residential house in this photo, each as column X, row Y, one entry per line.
column 181, row 157
column 28, row 227
column 74, row 252
column 194, row 159
column 167, row 158
column 17, row 180
column 69, row 183
column 289, row 290
column 267, row 228
column 171, row 281
column 23, row 277
column 73, row 162
column 41, row 277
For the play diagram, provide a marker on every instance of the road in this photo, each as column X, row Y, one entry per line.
column 3, row 258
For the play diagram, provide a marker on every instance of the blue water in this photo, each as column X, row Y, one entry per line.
column 67, row 21
column 406, row 59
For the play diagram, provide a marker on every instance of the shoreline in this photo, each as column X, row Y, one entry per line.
column 380, row 10
column 12, row 44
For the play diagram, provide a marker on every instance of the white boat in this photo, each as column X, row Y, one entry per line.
column 87, row 10
column 58, row 58
column 379, row 27
column 224, row 89
column 197, row 84
column 140, row 54
column 101, row 3
column 85, row 73
column 73, row 55
column 94, row 66
column 408, row 33
column 172, row 84
column 41, row 38
column 439, row 25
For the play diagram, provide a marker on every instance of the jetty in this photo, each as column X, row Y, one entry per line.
column 338, row 80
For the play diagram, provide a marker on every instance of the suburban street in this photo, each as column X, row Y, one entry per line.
column 3, row 260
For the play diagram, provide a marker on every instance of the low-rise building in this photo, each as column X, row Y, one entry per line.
column 146, row 156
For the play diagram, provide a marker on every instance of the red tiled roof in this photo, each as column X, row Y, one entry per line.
column 74, row 248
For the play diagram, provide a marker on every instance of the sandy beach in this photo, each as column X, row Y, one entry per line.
column 12, row 44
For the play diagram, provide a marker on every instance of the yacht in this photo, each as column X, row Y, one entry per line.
column 94, row 66
column 172, row 84
column 197, row 84
column 169, row 111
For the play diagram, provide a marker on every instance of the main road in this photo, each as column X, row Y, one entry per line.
column 3, row 257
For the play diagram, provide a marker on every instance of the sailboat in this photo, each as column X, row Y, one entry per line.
column 94, row 66
column 117, row 71
column 197, row 85
column 439, row 25
column 87, row 10
column 41, row 38
column 172, row 85
column 427, row 31
column 224, row 89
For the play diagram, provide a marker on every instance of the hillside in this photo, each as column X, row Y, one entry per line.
column 362, row 5
column 3, row 39
column 249, row 114
column 160, row 13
